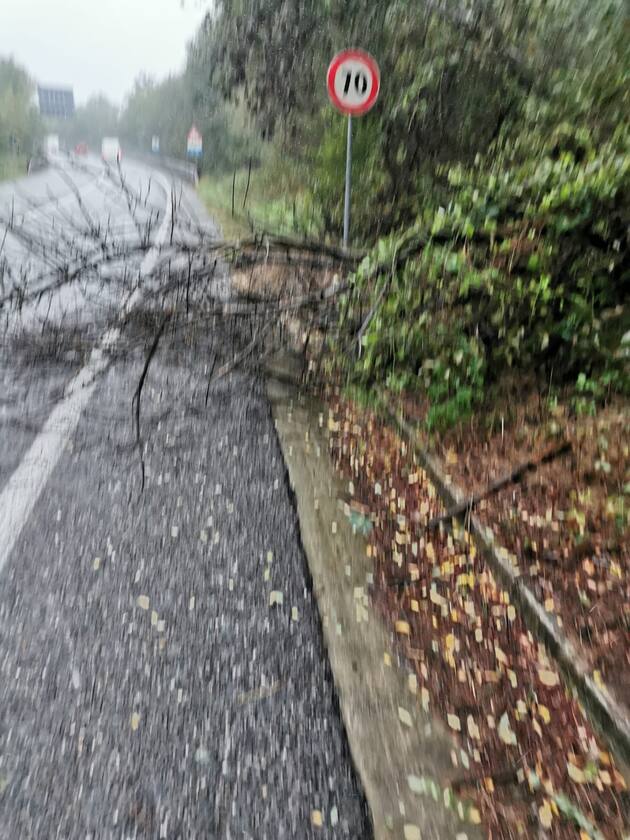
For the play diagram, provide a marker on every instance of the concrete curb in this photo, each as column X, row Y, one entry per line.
column 401, row 753
column 607, row 715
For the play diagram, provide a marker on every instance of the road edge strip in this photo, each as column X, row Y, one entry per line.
column 395, row 744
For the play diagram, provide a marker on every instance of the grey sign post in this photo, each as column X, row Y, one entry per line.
column 353, row 86
column 346, row 203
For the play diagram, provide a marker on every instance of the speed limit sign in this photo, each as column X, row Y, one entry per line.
column 353, row 82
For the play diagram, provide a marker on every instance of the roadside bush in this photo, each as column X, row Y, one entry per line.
column 526, row 268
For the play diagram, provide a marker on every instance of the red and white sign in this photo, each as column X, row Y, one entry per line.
column 354, row 81
column 194, row 143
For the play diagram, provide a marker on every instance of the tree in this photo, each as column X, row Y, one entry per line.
column 20, row 126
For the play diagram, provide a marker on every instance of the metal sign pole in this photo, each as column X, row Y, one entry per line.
column 346, row 206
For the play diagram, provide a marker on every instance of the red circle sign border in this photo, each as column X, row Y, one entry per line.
column 359, row 55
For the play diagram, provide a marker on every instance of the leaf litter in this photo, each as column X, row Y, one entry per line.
column 535, row 762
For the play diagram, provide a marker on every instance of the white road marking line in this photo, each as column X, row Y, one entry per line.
column 26, row 483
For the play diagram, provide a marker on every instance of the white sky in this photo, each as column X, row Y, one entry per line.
column 98, row 46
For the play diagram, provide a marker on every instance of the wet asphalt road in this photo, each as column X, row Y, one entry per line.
column 149, row 687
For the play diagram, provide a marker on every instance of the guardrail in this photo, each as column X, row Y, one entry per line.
column 183, row 169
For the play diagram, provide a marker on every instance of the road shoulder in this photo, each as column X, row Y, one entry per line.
column 401, row 753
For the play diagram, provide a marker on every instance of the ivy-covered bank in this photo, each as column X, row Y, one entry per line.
column 526, row 270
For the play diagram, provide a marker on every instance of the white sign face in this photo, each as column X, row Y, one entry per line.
column 353, row 82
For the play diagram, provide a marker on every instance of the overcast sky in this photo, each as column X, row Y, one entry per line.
column 98, row 46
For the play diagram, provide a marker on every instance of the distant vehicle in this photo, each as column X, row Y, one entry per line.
column 110, row 150
column 81, row 149
column 51, row 144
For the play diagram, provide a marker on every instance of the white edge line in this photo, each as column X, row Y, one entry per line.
column 26, row 483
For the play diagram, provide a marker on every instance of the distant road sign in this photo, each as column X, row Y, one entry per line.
column 56, row 102
column 354, row 82
column 194, row 143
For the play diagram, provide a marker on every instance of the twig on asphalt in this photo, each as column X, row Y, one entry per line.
column 138, row 392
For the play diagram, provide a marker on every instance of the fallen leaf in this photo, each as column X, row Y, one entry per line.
column 143, row 602
column 474, row 816
column 548, row 678
column 505, row 731
column 317, row 819
column 405, row 717
column 473, row 729
column 545, row 815
column 135, row 721
column 454, row 722
column 576, row 774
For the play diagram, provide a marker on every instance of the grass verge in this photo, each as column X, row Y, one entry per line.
column 12, row 166
column 275, row 201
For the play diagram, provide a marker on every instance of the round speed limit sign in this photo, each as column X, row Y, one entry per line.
column 353, row 82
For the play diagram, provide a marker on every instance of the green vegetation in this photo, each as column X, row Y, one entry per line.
column 523, row 270
column 20, row 127
column 12, row 166
column 275, row 199
column 491, row 180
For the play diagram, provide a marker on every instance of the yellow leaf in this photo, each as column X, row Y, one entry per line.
column 411, row 832
column 437, row 599
column 454, row 722
column 501, row 657
column 403, row 628
column 317, row 819
column 597, row 676
column 473, row 729
column 450, row 642
column 576, row 774
column 545, row 816
column 548, row 678
column 135, row 721
column 143, row 602
column 543, row 711
column 474, row 816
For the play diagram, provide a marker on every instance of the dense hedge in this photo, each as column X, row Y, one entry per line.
column 527, row 268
